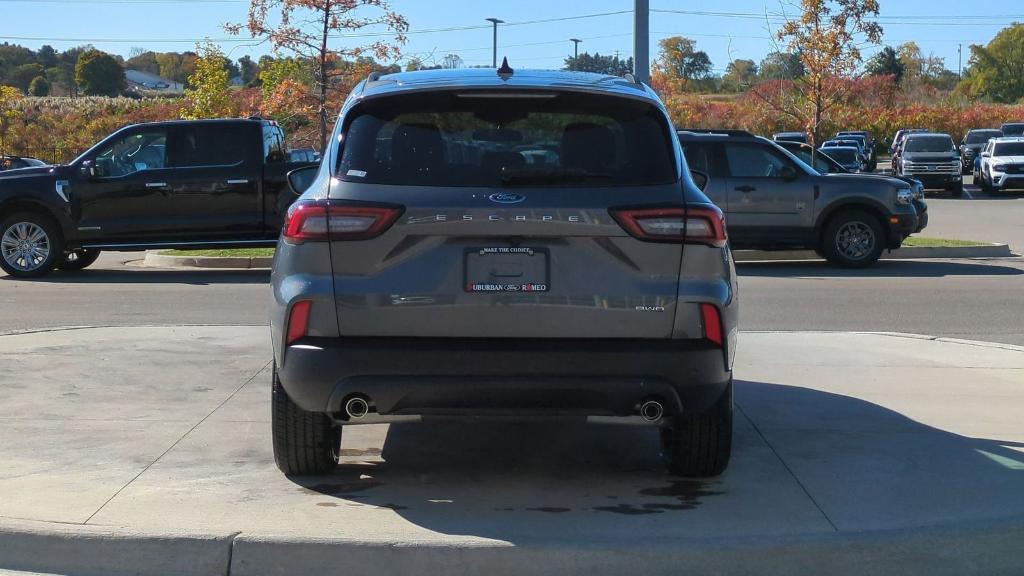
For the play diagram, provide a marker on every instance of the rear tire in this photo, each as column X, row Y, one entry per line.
column 78, row 259
column 853, row 239
column 700, row 446
column 305, row 443
column 30, row 244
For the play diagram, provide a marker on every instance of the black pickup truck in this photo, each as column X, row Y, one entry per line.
column 182, row 184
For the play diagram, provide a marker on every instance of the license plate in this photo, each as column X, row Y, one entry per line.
column 506, row 269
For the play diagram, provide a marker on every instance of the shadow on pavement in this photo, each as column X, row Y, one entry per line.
column 865, row 465
column 881, row 269
column 150, row 276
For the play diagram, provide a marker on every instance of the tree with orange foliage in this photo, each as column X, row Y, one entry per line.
column 827, row 35
column 306, row 27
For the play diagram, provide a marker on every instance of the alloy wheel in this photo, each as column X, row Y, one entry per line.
column 855, row 240
column 25, row 246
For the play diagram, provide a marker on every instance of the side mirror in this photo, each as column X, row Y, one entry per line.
column 700, row 179
column 788, row 173
column 300, row 179
column 986, row 155
column 88, row 170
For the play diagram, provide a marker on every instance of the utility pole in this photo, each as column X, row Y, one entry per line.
column 960, row 61
column 641, row 40
column 494, row 57
column 575, row 47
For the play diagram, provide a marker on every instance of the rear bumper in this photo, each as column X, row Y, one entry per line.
column 503, row 377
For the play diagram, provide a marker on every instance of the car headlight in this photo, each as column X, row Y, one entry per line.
column 904, row 196
column 998, row 165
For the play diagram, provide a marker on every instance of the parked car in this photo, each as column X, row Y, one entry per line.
column 16, row 162
column 862, row 155
column 774, row 201
column 303, row 155
column 1002, row 164
column 823, row 164
column 428, row 270
column 211, row 183
column 869, row 145
column 1013, row 129
column 934, row 160
column 900, row 135
column 971, row 145
column 790, row 137
column 849, row 157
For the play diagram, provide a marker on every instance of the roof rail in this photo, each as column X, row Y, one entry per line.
column 631, row 78
column 733, row 133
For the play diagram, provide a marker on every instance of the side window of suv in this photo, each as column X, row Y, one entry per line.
column 747, row 161
column 209, row 145
column 135, row 152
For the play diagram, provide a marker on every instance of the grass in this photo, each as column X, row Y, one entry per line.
column 920, row 242
column 224, row 252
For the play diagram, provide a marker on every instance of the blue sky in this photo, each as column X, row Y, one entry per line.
column 936, row 25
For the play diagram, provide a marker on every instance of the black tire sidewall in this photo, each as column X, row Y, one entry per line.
column 832, row 229
column 53, row 234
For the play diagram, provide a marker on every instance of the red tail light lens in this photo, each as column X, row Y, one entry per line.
column 692, row 225
column 298, row 320
column 712, row 323
column 316, row 221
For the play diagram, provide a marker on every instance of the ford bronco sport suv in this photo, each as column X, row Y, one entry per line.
column 774, row 201
column 512, row 244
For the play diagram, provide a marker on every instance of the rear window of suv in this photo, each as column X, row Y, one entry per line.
column 982, row 136
column 488, row 139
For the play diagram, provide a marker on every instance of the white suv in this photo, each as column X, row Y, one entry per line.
column 1002, row 164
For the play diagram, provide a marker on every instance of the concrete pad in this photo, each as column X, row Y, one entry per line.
column 852, row 451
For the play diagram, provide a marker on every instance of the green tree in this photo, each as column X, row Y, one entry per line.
column 249, row 70
column 277, row 70
column 22, row 76
column 680, row 61
column 782, row 66
column 740, row 76
column 47, row 56
column 996, row 71
column 99, row 74
column 586, row 62
column 39, row 87
column 886, row 63
column 208, row 94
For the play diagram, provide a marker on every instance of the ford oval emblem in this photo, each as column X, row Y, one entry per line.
column 506, row 198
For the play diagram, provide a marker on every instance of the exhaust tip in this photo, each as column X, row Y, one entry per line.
column 356, row 407
column 652, row 411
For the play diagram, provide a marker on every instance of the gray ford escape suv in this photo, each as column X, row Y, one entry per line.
column 511, row 244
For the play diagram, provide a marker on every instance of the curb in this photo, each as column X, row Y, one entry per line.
column 158, row 260
column 985, row 547
column 910, row 252
column 52, row 548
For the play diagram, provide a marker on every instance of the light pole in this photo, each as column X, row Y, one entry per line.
column 641, row 40
column 575, row 47
column 494, row 57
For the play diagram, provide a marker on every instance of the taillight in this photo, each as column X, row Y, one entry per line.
column 316, row 221
column 693, row 225
column 298, row 320
column 712, row 323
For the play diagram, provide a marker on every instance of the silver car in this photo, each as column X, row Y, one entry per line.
column 431, row 269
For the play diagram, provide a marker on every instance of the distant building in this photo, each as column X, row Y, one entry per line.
column 146, row 81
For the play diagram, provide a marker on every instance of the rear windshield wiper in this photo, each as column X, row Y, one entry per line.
column 520, row 177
